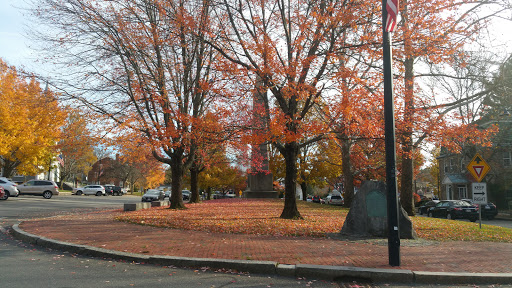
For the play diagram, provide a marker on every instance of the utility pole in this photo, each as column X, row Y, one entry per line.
column 389, row 13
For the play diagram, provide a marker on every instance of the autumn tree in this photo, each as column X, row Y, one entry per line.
column 146, row 65
column 135, row 164
column 430, row 32
column 30, row 121
column 76, row 146
column 222, row 176
column 318, row 165
column 288, row 46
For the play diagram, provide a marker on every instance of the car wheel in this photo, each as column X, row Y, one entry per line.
column 78, row 193
column 449, row 216
column 98, row 193
column 421, row 211
column 47, row 194
column 429, row 214
column 6, row 196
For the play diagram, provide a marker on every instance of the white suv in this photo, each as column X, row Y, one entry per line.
column 97, row 190
column 10, row 188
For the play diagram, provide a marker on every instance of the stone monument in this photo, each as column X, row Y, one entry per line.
column 260, row 179
column 368, row 214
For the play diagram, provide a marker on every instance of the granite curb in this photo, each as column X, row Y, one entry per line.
column 320, row 272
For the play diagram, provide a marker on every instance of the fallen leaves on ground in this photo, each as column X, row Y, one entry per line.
column 261, row 217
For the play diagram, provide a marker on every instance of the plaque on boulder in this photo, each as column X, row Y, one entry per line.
column 368, row 214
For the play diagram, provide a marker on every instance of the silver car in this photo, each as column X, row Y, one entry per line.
column 46, row 188
column 97, row 190
column 10, row 188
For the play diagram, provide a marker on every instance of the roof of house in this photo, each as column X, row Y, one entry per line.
column 455, row 179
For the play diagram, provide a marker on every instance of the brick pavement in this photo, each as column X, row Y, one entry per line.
column 100, row 230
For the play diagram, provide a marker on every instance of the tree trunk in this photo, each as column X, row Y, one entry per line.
column 406, row 191
column 177, row 169
column 348, row 176
column 304, row 187
column 290, row 210
column 8, row 167
column 194, row 189
column 209, row 193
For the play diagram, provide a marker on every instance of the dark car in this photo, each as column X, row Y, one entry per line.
column 489, row 210
column 185, row 194
column 316, row 199
column 113, row 190
column 454, row 209
column 153, row 195
column 423, row 209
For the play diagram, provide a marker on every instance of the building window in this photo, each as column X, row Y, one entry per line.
column 452, row 165
column 507, row 159
column 463, row 192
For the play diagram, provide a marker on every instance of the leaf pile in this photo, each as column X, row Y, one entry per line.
column 261, row 217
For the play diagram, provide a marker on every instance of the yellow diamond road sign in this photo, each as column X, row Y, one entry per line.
column 478, row 167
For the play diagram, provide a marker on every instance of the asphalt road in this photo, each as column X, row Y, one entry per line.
column 25, row 265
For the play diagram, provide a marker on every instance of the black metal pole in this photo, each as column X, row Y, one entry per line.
column 389, row 130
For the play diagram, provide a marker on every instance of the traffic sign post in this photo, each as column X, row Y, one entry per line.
column 480, row 193
column 478, row 167
column 479, row 197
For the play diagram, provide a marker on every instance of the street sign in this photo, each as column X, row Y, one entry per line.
column 478, row 167
column 479, row 193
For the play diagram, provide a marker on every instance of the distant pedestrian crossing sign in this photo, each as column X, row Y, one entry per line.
column 478, row 167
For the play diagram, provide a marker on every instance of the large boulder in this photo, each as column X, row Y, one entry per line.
column 368, row 214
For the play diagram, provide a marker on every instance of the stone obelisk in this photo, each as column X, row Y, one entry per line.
column 260, row 180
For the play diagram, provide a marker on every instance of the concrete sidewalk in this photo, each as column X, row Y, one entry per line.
column 98, row 234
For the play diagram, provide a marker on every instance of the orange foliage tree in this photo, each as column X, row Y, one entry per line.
column 144, row 69
column 431, row 32
column 76, row 146
column 136, row 165
column 290, row 48
column 30, row 121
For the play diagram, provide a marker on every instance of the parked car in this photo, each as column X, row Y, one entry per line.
column 334, row 200
column 113, row 190
column 185, row 194
column 10, row 188
column 167, row 193
column 97, row 190
column 454, row 209
column 489, row 210
column 423, row 209
column 153, row 195
column 316, row 199
column 46, row 188
column 309, row 199
column 3, row 194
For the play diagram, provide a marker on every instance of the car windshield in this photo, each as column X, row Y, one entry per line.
column 152, row 192
column 336, row 197
column 462, row 203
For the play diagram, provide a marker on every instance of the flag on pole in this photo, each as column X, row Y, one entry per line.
column 392, row 9
column 61, row 160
